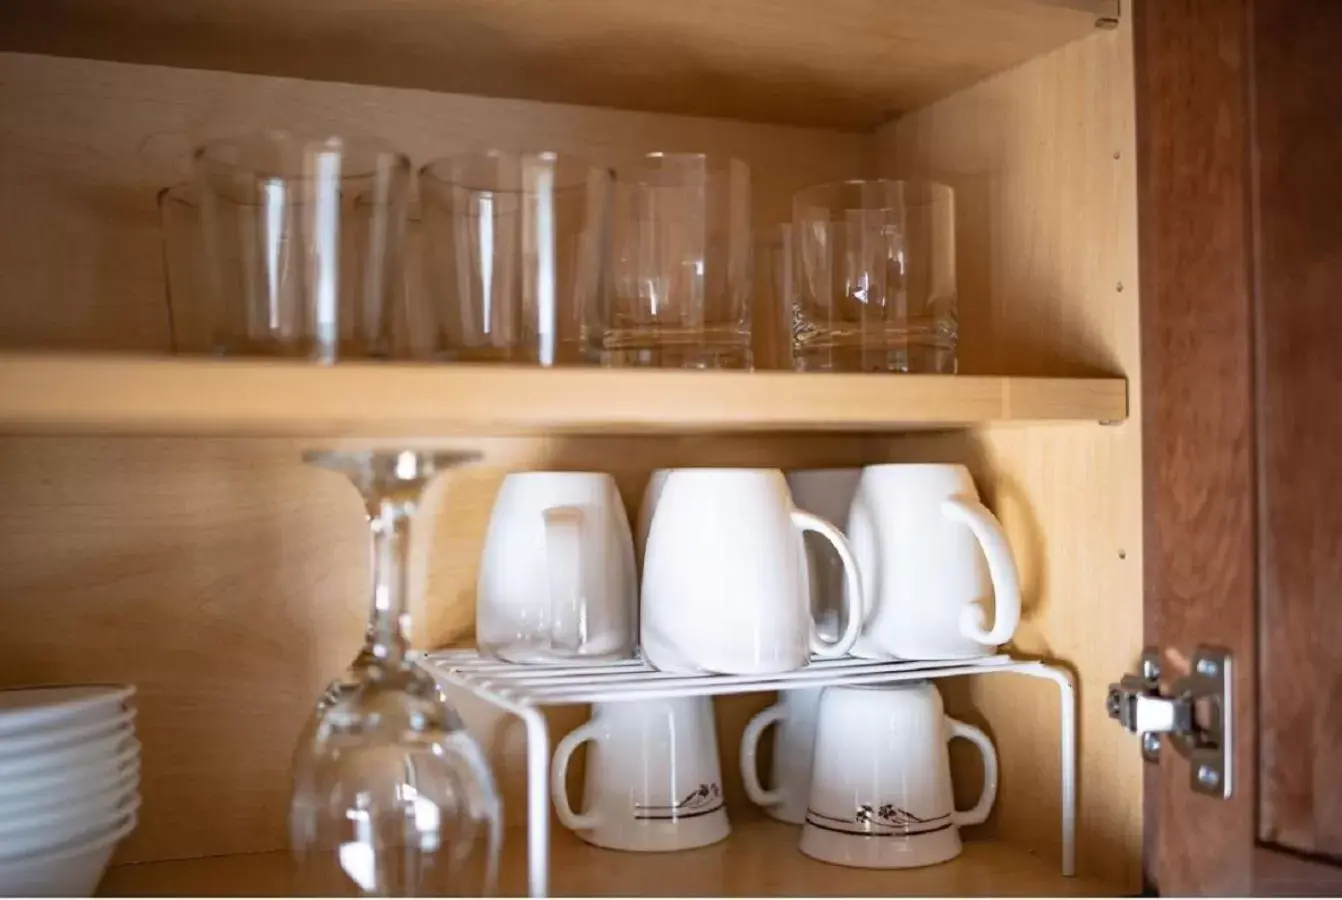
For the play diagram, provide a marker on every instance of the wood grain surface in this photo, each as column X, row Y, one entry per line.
column 1297, row 146
column 228, row 581
column 759, row 859
column 1042, row 162
column 84, row 394
column 223, row 577
column 1240, row 128
column 846, row 63
column 1193, row 184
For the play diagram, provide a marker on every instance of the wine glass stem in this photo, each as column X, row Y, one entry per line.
column 391, row 568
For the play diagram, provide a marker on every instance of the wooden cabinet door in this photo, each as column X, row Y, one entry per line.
column 1239, row 122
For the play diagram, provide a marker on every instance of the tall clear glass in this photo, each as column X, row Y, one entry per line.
column 292, row 267
column 192, row 319
column 682, row 264
column 391, row 796
column 518, row 245
column 875, row 277
column 776, row 295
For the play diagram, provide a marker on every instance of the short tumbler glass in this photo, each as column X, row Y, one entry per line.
column 682, row 268
column 875, row 277
column 517, row 245
column 303, row 243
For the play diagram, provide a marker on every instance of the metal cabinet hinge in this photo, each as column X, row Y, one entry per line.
column 1196, row 715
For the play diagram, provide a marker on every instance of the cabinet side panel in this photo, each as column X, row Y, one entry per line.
column 1041, row 158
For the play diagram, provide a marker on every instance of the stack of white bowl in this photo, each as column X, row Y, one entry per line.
column 69, row 786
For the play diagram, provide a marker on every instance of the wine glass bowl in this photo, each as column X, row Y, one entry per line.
column 391, row 795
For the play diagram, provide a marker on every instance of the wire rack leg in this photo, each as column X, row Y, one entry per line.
column 538, row 778
column 1066, row 752
column 538, row 801
column 1068, row 765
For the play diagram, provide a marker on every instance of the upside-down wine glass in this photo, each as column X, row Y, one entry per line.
column 391, row 795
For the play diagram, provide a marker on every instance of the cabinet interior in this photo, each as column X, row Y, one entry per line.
column 227, row 580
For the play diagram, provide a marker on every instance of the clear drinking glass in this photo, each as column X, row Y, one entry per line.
column 875, row 277
column 191, row 318
column 682, row 279
column 391, row 795
column 517, row 246
column 303, row 243
column 774, row 284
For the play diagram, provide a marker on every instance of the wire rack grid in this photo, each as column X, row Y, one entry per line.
column 523, row 689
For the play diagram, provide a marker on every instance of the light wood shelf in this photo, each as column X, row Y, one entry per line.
column 845, row 63
column 760, row 858
column 122, row 395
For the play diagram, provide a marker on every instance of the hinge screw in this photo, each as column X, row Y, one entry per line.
column 1207, row 668
column 1208, row 776
column 1150, row 669
column 1151, row 743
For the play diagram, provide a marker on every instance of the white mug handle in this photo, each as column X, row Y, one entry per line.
column 1001, row 569
column 564, row 526
column 852, row 595
column 978, row 814
column 558, row 789
column 750, row 740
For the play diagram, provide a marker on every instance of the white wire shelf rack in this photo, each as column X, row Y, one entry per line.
column 523, row 689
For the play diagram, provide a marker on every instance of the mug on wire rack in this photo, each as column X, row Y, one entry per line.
column 724, row 577
column 557, row 576
column 932, row 558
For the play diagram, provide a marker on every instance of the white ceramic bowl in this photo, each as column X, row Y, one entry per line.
column 95, row 800
column 39, row 832
column 64, row 783
column 72, row 871
column 69, row 759
column 26, row 710
column 60, row 737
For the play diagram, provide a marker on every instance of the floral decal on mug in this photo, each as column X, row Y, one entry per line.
column 885, row 820
column 705, row 799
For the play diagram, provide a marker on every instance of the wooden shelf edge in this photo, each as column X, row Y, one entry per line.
column 180, row 396
column 760, row 858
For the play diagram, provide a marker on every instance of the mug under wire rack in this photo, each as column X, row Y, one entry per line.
column 524, row 689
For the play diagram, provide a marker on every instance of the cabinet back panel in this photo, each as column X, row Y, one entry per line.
column 223, row 577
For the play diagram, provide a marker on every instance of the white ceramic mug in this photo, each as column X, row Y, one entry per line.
column 827, row 493
column 881, row 781
column 793, row 748
column 651, row 493
column 724, row 578
column 922, row 538
column 653, row 778
column 557, row 576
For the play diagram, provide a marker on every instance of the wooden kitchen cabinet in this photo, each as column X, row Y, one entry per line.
column 1149, row 269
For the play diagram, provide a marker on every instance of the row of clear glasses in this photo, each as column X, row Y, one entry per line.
column 391, row 795
column 303, row 247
